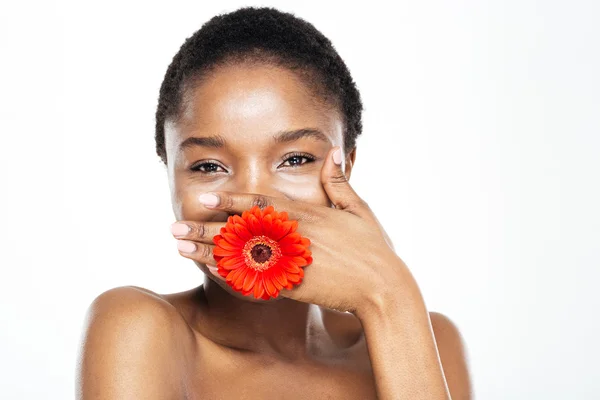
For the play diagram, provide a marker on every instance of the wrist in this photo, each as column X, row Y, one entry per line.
column 393, row 292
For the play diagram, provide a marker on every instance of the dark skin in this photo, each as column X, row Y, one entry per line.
column 213, row 342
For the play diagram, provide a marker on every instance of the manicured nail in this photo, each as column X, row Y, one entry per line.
column 209, row 199
column 179, row 229
column 186, row 246
column 212, row 268
column 337, row 156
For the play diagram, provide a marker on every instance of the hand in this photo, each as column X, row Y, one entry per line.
column 353, row 258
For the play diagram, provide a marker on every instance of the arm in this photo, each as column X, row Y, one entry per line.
column 402, row 346
column 453, row 354
column 128, row 349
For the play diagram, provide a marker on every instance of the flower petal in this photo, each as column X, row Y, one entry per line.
column 293, row 249
column 256, row 211
column 242, row 231
column 301, row 262
column 259, row 289
column 283, row 216
column 267, row 223
column 224, row 244
column 239, row 280
column 234, row 262
column 232, row 276
column 269, row 286
column 219, row 251
column 290, row 266
column 277, row 231
column 234, row 239
column 286, row 228
column 254, row 225
column 265, row 296
column 280, row 276
column 274, row 280
column 239, row 220
column 292, row 238
column 268, row 210
column 250, row 279
column 228, row 228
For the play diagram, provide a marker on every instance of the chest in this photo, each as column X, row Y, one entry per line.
column 239, row 377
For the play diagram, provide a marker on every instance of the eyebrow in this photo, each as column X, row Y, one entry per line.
column 280, row 137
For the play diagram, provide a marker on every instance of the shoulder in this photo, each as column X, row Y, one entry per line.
column 132, row 346
column 453, row 355
column 130, row 307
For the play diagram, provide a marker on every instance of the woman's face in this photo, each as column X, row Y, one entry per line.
column 240, row 132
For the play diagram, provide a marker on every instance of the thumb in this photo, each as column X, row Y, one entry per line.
column 337, row 187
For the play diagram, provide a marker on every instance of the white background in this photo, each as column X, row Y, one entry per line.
column 480, row 154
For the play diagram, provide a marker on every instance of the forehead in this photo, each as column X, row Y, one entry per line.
column 250, row 103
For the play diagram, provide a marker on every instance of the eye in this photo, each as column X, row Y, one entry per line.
column 295, row 159
column 211, row 168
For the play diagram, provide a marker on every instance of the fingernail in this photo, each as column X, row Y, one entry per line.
column 209, row 199
column 337, row 156
column 212, row 268
column 179, row 229
column 186, row 246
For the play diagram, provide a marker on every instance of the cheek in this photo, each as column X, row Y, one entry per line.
column 184, row 196
column 186, row 206
column 304, row 188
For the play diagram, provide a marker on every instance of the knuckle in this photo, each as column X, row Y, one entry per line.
column 205, row 252
column 226, row 202
column 338, row 178
column 260, row 201
column 357, row 205
column 198, row 230
column 316, row 214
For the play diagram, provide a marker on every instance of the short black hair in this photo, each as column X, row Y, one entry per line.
column 260, row 35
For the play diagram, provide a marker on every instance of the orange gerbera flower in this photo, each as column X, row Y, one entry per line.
column 260, row 253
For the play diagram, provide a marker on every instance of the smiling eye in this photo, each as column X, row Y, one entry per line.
column 210, row 167
column 296, row 157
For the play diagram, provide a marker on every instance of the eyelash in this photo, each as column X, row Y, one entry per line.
column 311, row 158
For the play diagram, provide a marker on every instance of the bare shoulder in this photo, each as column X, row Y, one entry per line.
column 453, row 355
column 134, row 345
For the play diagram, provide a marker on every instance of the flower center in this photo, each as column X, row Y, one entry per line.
column 261, row 253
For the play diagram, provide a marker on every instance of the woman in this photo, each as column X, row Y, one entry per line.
column 253, row 108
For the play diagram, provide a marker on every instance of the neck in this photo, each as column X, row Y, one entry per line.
column 280, row 326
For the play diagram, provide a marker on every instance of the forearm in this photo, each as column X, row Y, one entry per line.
column 401, row 344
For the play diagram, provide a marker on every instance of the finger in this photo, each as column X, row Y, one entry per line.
column 196, row 231
column 234, row 202
column 214, row 270
column 337, row 187
column 196, row 251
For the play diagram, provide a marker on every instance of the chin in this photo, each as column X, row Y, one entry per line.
column 250, row 298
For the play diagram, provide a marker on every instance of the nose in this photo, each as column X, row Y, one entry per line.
column 257, row 182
